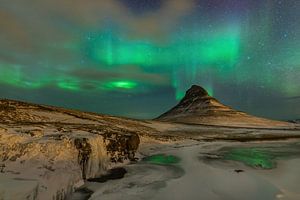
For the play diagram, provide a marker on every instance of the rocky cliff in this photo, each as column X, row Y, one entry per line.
column 51, row 150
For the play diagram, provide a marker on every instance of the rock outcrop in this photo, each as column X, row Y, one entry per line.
column 70, row 157
column 296, row 121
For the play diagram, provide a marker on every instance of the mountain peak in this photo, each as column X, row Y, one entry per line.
column 196, row 90
column 196, row 102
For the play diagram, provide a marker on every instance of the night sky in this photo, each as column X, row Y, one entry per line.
column 136, row 58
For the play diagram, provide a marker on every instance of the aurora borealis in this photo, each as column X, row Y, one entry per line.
column 136, row 58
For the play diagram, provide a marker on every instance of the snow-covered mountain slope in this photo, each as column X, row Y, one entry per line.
column 197, row 107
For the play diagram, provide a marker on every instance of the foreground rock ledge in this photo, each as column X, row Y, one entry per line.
column 47, row 164
column 45, row 152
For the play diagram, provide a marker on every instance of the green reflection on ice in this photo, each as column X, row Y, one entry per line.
column 162, row 159
column 252, row 157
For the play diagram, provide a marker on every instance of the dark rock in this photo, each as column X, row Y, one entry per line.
column 121, row 146
column 2, row 166
column 115, row 173
column 295, row 121
column 84, row 152
column 238, row 170
column 82, row 193
column 195, row 91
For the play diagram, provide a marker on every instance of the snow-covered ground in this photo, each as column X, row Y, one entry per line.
column 195, row 178
column 47, row 152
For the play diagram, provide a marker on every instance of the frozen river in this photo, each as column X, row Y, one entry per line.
column 208, row 170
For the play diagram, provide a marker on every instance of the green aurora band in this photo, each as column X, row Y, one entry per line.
column 107, row 49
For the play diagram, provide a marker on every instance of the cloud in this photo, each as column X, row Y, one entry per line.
column 48, row 17
column 51, row 31
column 124, row 73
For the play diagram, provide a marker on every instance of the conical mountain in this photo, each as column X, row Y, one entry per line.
column 198, row 107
